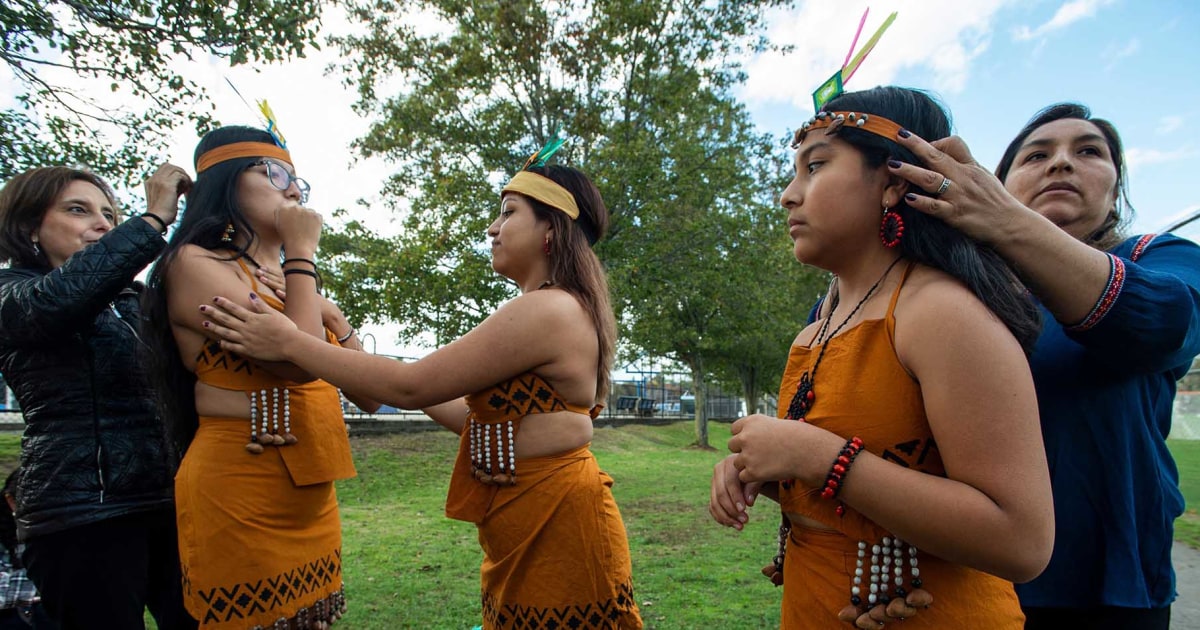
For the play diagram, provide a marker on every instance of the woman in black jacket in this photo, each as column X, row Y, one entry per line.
column 94, row 500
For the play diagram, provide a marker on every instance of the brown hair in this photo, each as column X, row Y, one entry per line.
column 574, row 267
column 25, row 199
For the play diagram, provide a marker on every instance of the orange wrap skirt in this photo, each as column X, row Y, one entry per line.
column 819, row 571
column 555, row 550
column 254, row 547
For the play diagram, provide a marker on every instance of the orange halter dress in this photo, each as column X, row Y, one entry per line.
column 555, row 549
column 259, row 534
column 864, row 391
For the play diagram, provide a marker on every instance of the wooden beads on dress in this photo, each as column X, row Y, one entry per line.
column 266, row 415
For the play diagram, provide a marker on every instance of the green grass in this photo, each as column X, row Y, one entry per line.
column 10, row 453
column 406, row 565
column 1187, row 458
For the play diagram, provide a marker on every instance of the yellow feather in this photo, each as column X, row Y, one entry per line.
column 272, row 124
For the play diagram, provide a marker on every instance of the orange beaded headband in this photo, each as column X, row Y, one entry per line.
column 239, row 150
column 833, row 121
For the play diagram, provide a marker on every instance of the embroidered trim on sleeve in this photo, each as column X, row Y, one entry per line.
column 1140, row 248
column 1116, row 280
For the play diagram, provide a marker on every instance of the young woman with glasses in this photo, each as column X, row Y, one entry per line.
column 260, row 537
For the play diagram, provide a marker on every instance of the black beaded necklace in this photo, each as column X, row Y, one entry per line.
column 804, row 398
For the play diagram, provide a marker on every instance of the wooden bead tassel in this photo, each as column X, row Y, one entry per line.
column 265, row 416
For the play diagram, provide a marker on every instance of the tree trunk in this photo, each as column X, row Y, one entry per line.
column 701, row 394
column 750, row 391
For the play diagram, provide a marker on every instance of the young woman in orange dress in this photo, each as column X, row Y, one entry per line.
column 262, row 442
column 906, row 455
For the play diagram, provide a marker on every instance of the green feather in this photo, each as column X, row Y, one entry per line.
column 539, row 159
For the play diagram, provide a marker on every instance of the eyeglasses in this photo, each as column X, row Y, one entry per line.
column 281, row 179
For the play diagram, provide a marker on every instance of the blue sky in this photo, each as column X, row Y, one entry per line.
column 995, row 63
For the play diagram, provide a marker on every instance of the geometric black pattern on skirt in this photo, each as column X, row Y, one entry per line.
column 604, row 615
column 248, row 598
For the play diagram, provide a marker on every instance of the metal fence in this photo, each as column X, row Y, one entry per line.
column 1185, row 422
column 669, row 395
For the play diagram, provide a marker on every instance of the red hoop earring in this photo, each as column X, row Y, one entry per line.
column 891, row 230
column 546, row 247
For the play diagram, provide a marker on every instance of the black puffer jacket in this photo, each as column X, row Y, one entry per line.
column 94, row 447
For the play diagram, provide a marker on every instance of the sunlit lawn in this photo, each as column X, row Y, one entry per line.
column 407, row 566
column 1187, row 457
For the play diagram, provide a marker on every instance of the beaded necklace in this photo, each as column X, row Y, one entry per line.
column 804, row 398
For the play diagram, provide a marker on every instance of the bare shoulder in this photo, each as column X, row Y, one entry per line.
column 192, row 260
column 934, row 297
column 941, row 324
column 545, row 310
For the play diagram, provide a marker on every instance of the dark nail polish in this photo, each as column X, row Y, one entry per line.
column 904, row 133
column 893, row 164
column 203, row 309
column 910, row 196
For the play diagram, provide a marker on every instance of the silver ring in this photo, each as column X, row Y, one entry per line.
column 943, row 188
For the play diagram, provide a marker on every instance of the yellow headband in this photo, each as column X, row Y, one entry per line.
column 239, row 150
column 877, row 125
column 544, row 190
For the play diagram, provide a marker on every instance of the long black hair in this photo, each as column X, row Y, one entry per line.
column 928, row 240
column 1112, row 231
column 211, row 208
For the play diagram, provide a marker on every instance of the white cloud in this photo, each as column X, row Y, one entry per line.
column 1067, row 14
column 1167, row 124
column 1136, row 157
column 821, row 33
column 1114, row 54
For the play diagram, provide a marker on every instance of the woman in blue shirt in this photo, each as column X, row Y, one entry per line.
column 1122, row 325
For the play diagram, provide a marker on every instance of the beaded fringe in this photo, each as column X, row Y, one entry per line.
column 493, row 454
column 266, row 408
column 326, row 611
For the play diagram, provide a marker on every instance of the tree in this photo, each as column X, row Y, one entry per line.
column 755, row 343
column 130, row 45
column 644, row 88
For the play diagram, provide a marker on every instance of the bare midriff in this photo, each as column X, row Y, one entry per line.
column 804, row 521
column 545, row 434
column 541, row 434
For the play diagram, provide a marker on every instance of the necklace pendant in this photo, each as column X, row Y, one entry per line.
column 803, row 399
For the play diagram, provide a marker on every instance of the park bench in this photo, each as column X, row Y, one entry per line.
column 627, row 404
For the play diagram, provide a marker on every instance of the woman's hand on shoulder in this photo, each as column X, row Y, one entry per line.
column 259, row 332
column 196, row 276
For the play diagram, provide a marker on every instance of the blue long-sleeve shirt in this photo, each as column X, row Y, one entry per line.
column 1105, row 391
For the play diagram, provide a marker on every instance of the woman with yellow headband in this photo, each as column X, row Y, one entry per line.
column 906, row 454
column 262, row 442
column 532, row 373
